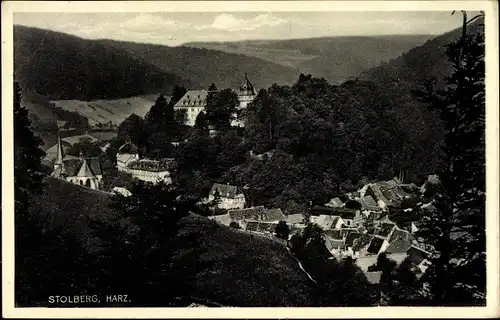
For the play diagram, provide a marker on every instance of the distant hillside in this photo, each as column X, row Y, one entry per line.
column 209, row 66
column 421, row 63
column 228, row 266
column 334, row 58
column 114, row 110
column 61, row 66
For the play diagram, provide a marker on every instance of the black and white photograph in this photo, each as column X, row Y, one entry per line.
column 220, row 158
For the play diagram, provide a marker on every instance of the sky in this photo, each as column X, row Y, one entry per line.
column 176, row 28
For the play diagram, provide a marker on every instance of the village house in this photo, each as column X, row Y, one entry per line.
column 227, row 196
column 386, row 193
column 259, row 214
column 121, row 191
column 360, row 246
column 335, row 246
column 334, row 203
column 367, row 261
column 78, row 170
column 350, row 217
column 327, row 222
column 295, row 219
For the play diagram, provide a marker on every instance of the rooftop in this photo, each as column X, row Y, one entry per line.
column 193, row 98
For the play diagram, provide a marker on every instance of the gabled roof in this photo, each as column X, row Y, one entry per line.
column 152, row 165
column 294, row 218
column 224, row 219
column 375, row 245
column 124, row 157
column 351, row 237
column 378, row 194
column 345, row 213
column 255, row 213
column 416, row 255
column 225, row 190
column 129, row 148
column 334, row 203
column 332, row 244
column 95, row 165
column 384, row 230
column 398, row 246
column 326, row 221
column 362, row 242
column 399, row 234
column 274, row 215
column 74, row 166
column 193, row 98
column 368, row 203
column 85, row 170
column 334, row 234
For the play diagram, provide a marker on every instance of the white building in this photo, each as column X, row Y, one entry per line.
column 127, row 160
column 195, row 101
column 228, row 195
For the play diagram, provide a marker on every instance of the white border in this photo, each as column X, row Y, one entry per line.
column 492, row 153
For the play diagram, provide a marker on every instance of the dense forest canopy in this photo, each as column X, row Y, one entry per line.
column 324, row 139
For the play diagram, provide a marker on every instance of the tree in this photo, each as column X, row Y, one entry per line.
column 459, row 198
column 85, row 147
column 386, row 266
column 46, row 258
column 132, row 129
column 221, row 108
column 142, row 237
column 177, row 93
column 282, row 230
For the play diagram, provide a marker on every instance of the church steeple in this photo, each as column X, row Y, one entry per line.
column 246, row 88
column 59, row 170
column 60, row 151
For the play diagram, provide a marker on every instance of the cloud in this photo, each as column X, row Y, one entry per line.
column 229, row 22
column 145, row 22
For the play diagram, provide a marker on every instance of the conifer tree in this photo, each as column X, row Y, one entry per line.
column 456, row 230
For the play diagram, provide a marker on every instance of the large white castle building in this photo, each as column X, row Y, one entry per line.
column 194, row 102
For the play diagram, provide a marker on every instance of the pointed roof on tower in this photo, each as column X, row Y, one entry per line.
column 246, row 87
column 85, row 170
column 60, row 151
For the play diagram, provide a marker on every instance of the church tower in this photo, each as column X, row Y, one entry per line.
column 59, row 170
column 246, row 93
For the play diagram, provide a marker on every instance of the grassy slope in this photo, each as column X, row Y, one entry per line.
column 228, row 267
column 114, row 110
column 237, row 269
column 209, row 66
column 335, row 58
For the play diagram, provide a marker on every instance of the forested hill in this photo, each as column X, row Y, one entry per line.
column 209, row 66
column 61, row 66
column 421, row 63
column 335, row 58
